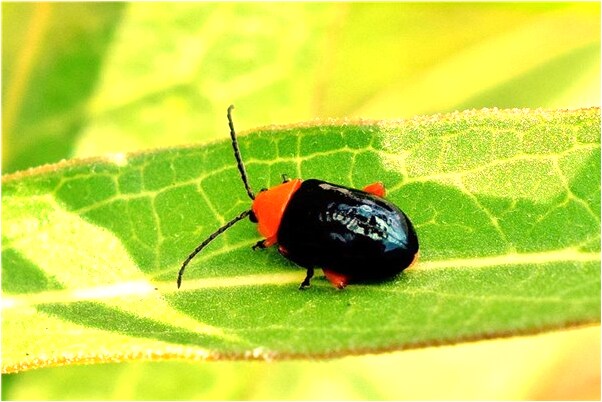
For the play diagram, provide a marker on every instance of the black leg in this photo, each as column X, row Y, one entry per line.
column 305, row 283
column 285, row 178
column 260, row 244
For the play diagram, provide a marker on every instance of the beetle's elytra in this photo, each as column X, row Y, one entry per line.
column 353, row 235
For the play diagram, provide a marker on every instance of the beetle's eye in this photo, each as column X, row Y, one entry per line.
column 252, row 217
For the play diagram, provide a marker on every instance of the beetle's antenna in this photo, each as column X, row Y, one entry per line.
column 209, row 240
column 241, row 166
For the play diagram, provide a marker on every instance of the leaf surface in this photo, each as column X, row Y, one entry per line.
column 51, row 58
column 506, row 205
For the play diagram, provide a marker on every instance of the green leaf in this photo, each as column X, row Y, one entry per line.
column 175, row 67
column 506, row 205
column 83, row 79
column 51, row 58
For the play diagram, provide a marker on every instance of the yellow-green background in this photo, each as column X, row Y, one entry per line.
column 85, row 79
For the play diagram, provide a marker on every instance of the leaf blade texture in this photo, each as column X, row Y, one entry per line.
column 506, row 204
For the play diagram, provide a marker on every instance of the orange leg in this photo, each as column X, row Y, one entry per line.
column 377, row 189
column 338, row 280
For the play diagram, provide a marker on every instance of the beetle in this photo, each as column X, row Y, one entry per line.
column 353, row 235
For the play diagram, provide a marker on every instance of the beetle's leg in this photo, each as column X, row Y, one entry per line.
column 259, row 245
column 339, row 281
column 285, row 178
column 377, row 189
column 283, row 251
column 265, row 243
column 305, row 283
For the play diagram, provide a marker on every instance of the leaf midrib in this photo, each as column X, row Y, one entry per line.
column 141, row 288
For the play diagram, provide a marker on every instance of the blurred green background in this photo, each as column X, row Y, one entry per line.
column 84, row 79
